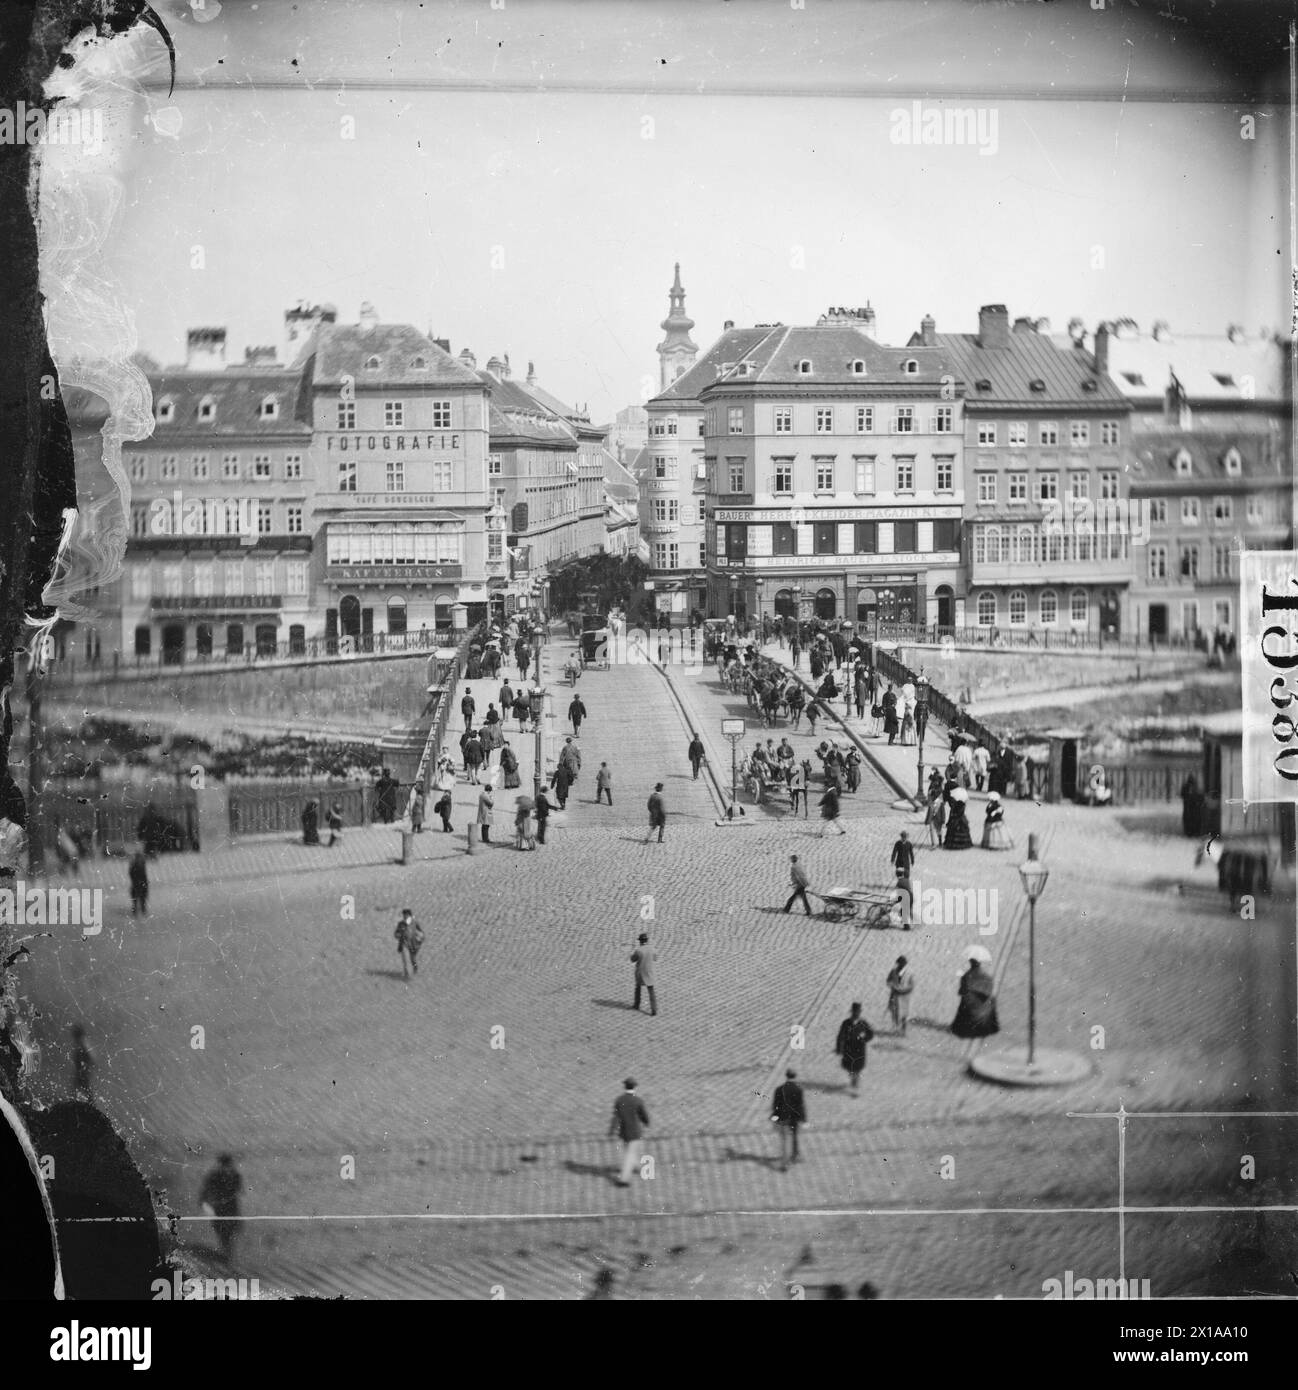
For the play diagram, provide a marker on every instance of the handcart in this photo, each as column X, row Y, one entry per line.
column 867, row 906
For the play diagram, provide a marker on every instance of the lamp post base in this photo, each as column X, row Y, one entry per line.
column 1009, row 1067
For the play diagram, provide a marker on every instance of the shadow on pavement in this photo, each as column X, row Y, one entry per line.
column 592, row 1170
column 613, row 1004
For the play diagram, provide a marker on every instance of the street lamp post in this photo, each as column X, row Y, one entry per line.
column 1034, row 875
column 538, row 696
column 921, row 723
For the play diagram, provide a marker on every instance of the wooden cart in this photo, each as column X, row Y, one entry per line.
column 867, row 906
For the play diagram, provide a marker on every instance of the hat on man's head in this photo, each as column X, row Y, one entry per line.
column 629, row 1083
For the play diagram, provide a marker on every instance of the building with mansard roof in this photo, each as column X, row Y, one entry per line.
column 673, row 477
column 404, row 536
column 834, row 475
column 1211, row 465
column 1046, row 542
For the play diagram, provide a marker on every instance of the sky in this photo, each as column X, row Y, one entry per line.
column 521, row 180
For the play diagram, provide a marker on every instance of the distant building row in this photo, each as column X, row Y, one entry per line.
column 1005, row 479
column 374, row 485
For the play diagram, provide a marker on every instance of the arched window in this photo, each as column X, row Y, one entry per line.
column 207, row 408
column 986, row 609
column 910, row 367
column 371, row 364
column 826, row 603
column 1018, row 608
column 804, row 367
column 858, row 367
column 1048, row 607
column 396, row 615
column 1026, row 557
column 994, row 545
column 419, row 365
column 1078, row 606
column 166, row 410
column 785, row 604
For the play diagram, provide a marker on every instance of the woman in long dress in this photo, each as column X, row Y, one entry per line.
column 908, row 727
column 995, row 836
column 509, row 766
column 976, row 1016
column 957, row 826
column 935, row 817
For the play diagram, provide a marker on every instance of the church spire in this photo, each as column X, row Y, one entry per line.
column 677, row 352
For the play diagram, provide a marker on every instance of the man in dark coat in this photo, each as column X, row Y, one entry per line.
column 473, row 757
column 889, row 703
column 789, row 1110
column 696, row 754
column 467, row 707
column 976, row 1016
column 311, row 823
column 562, row 783
column 629, row 1122
column 853, row 1035
column 576, row 713
column 657, row 813
column 542, row 816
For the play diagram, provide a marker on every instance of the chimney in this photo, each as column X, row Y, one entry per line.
column 497, row 368
column 444, row 344
column 301, row 321
column 507, row 368
column 728, row 325
column 369, row 317
column 993, row 326
column 260, row 357
column 866, row 316
column 1077, row 332
column 205, row 349
column 469, row 360
column 531, row 373
column 928, row 331
column 1102, row 349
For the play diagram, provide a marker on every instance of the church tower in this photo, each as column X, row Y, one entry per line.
column 677, row 352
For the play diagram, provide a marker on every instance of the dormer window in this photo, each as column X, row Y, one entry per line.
column 207, row 408
column 910, row 367
column 1090, row 384
column 1183, row 463
column 419, row 365
column 371, row 364
column 1231, row 463
column 857, row 367
column 1037, row 385
column 982, row 384
column 804, row 367
column 270, row 408
column 166, row 410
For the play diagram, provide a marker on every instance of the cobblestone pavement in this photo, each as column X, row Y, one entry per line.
column 482, row 1088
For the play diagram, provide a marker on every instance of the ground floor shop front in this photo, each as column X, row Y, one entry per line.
column 927, row 597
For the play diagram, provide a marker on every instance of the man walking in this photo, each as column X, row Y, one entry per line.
column 629, row 1122
column 486, row 811
column 643, row 959
column 410, row 937
column 788, row 1111
column 798, row 877
column 853, row 1035
column 903, row 860
column 467, row 707
column 829, row 808
column 604, row 784
column 542, row 816
column 576, row 713
column 657, row 813
column 901, row 984
column 696, row 754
